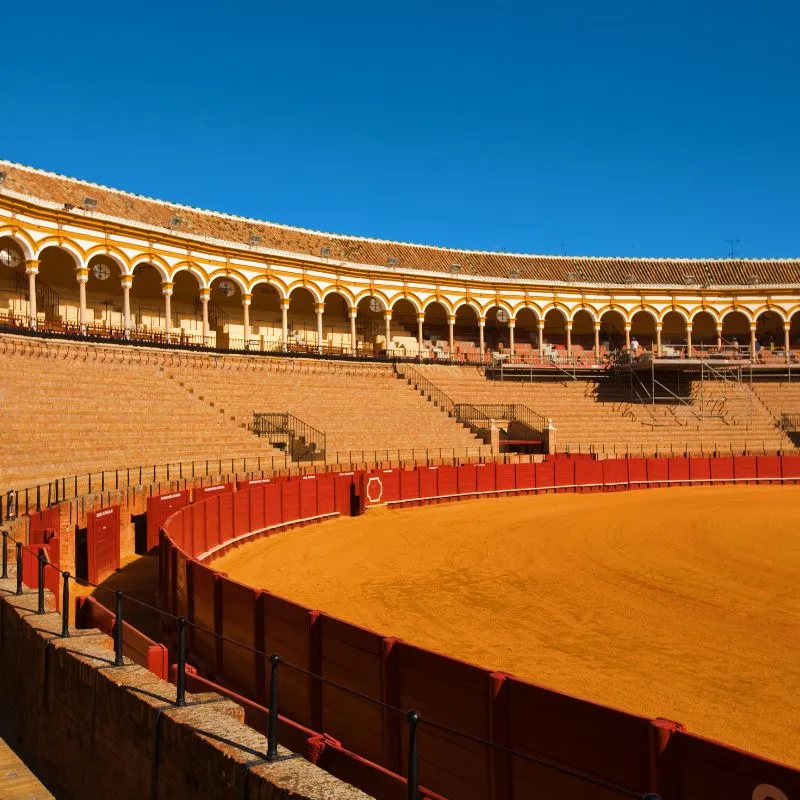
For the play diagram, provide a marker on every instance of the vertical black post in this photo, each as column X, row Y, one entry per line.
column 90, row 483
column 19, row 567
column 167, row 471
column 413, row 717
column 65, row 606
column 42, row 562
column 38, row 498
column 180, row 699
column 103, row 481
column 75, row 488
column 116, row 479
column 27, row 504
column 5, row 555
column 56, row 491
column 272, row 719
column 140, row 476
column 118, row 660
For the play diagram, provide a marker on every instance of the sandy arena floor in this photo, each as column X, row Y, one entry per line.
column 682, row 603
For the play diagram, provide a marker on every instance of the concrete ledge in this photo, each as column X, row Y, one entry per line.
column 102, row 731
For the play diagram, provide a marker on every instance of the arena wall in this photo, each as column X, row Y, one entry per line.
column 484, row 734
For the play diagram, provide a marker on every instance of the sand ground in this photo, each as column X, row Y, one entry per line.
column 682, row 603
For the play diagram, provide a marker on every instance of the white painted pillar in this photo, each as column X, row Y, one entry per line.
column 32, row 270
column 569, row 338
column 420, row 341
column 627, row 336
column 786, row 343
column 353, row 343
column 541, row 336
column 597, row 340
column 205, row 296
column 387, row 317
column 285, row 324
column 246, row 300
column 481, row 325
column 658, row 340
column 451, row 324
column 83, row 276
column 719, row 335
column 127, row 282
column 689, row 350
column 752, row 341
column 511, row 326
column 166, row 290
column 320, row 310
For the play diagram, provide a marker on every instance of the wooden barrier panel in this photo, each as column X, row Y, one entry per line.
column 457, row 695
column 290, row 500
column 768, row 467
column 226, row 528
column 615, row 474
column 353, row 657
column 256, row 499
column 589, row 475
column 657, row 472
column 525, row 476
column 344, row 493
column 428, row 481
column 564, row 474
column 181, row 594
column 505, row 476
column 486, row 479
column 30, row 571
column 198, row 514
column 204, row 492
column 159, row 507
column 291, row 631
column 467, row 480
column 722, row 469
column 272, row 501
column 213, row 532
column 447, row 481
column 241, row 622
column 602, row 742
column 46, row 519
column 241, row 513
column 308, row 496
column 202, row 600
column 709, row 769
column 790, row 469
column 678, row 471
column 545, row 475
column 326, row 500
column 102, row 543
column 409, row 484
column 391, row 484
column 637, row 473
column 744, row 467
column 700, row 471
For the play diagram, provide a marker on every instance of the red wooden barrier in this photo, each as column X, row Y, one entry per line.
column 486, row 478
column 226, row 523
column 409, row 484
column 700, row 470
column 678, row 471
column 505, row 476
column 241, row 514
column 203, row 600
column 198, row 516
column 564, row 474
column 343, row 493
column 637, row 473
column 290, row 500
column 589, row 475
column 657, row 472
column 273, row 507
column 159, row 507
column 326, row 501
column 46, row 519
column 768, row 467
column 447, row 481
column 240, row 621
column 428, row 481
column 308, row 496
column 722, row 469
column 545, row 475
column 467, row 481
column 102, row 543
column 615, row 474
column 744, row 467
column 204, row 492
column 790, row 469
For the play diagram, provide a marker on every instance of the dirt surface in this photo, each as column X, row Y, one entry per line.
column 682, row 603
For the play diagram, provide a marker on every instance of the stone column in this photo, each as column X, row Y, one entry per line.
column 32, row 270
column 786, row 343
column 127, row 282
column 353, row 343
column 511, row 326
column 320, row 310
column 285, row 323
column 658, row 340
column 719, row 335
column 481, row 325
column 689, row 350
column 166, row 290
column 597, row 340
column 451, row 325
column 205, row 296
column 246, row 299
column 420, row 341
column 627, row 336
column 569, row 338
column 387, row 316
column 83, row 276
column 541, row 336
column 752, row 341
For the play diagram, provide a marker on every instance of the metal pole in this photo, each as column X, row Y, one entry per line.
column 413, row 718
column 42, row 562
column 180, row 699
column 65, row 606
column 5, row 555
column 272, row 719
column 119, row 661
column 19, row 567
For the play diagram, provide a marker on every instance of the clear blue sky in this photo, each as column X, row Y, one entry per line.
column 623, row 127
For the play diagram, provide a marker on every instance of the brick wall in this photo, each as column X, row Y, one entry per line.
column 101, row 731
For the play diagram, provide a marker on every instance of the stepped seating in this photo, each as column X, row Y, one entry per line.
column 361, row 408
column 597, row 417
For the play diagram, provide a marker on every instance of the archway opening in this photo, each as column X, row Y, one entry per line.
column 704, row 330
column 496, row 335
column 335, row 321
column 265, row 313
column 673, row 333
column 58, row 279
column 104, row 293
column 526, row 333
column 466, row 334
column 794, row 331
column 371, row 324
column 225, row 306
column 612, row 331
column 13, row 280
column 186, row 310
column 643, row 330
column 302, row 318
column 769, row 331
column 736, row 330
column 404, row 327
column 147, row 299
column 555, row 330
column 582, row 332
column 436, row 331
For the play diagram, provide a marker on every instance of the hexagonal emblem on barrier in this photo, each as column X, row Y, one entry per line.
column 374, row 490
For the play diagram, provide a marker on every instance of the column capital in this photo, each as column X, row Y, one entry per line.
column 451, row 320
column 32, row 266
column 205, row 295
column 126, row 281
column 353, row 310
column 597, row 325
column 82, row 273
column 568, row 324
column 285, row 302
column 319, row 307
column 481, row 322
column 420, row 316
column 246, row 298
column 512, row 323
column 787, row 325
column 628, row 326
column 659, row 326
column 166, row 288
column 387, row 314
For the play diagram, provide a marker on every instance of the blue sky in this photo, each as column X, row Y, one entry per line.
column 616, row 128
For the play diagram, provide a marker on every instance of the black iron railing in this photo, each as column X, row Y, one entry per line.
column 303, row 441
column 790, row 421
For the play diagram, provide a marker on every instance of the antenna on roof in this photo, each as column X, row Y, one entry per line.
column 734, row 243
column 563, row 249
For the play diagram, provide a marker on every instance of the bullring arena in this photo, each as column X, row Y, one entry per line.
column 296, row 514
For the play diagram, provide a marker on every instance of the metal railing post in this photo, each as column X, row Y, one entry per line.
column 119, row 661
column 5, row 555
column 413, row 718
column 42, row 562
column 19, row 567
column 272, row 719
column 180, row 699
column 65, row 606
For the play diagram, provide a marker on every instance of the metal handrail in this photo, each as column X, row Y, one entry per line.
column 271, row 424
column 790, row 421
